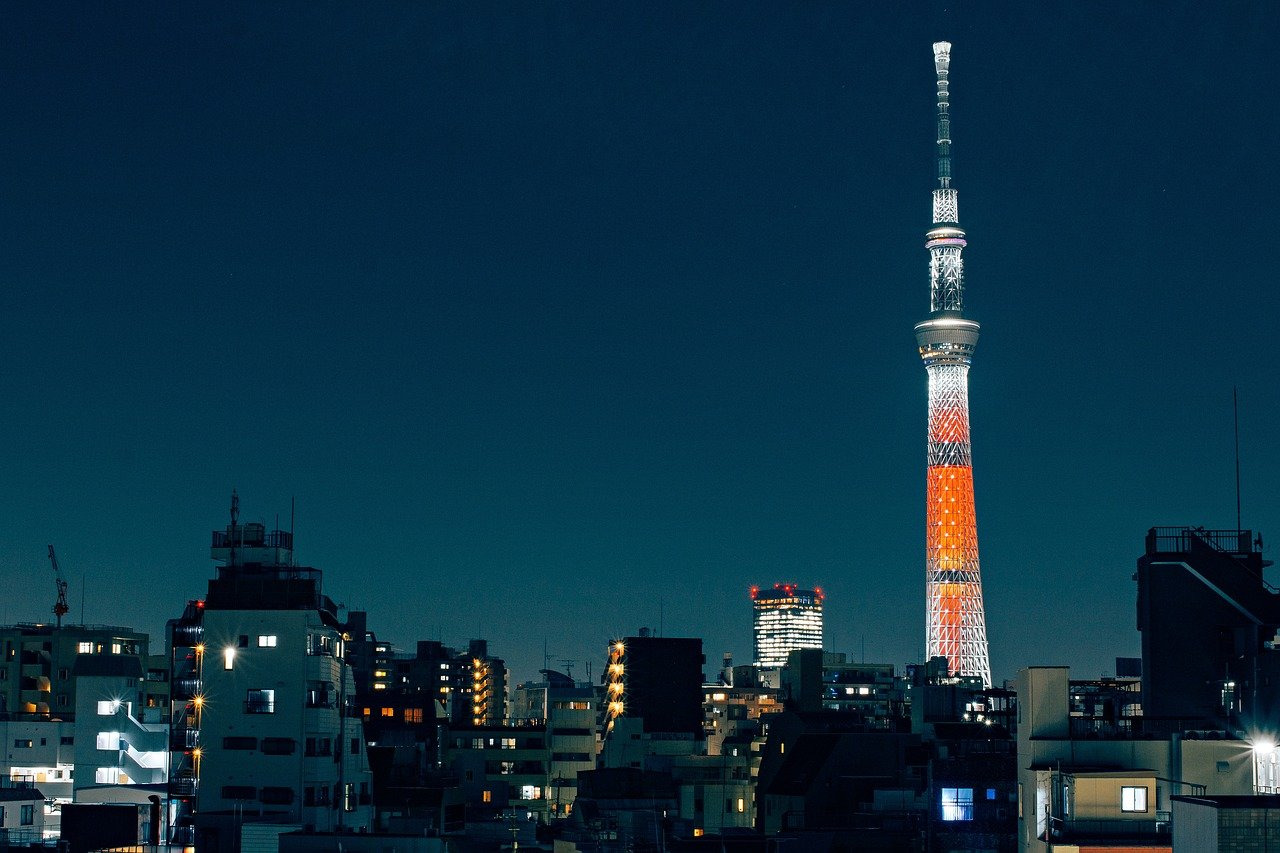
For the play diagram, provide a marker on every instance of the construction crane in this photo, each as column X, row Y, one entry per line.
column 60, row 607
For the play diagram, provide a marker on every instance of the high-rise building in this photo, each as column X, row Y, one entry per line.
column 955, row 624
column 784, row 619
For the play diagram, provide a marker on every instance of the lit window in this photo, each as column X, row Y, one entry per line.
column 413, row 715
column 228, row 657
column 509, row 743
column 266, row 641
column 487, row 796
column 115, row 648
column 84, row 648
column 107, row 707
column 108, row 741
column 388, row 712
column 1133, row 798
column 742, row 805
column 957, row 803
column 530, row 792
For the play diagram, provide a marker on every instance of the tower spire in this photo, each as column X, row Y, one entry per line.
column 942, row 65
column 955, row 622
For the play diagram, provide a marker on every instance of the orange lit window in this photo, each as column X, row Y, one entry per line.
column 487, row 796
column 388, row 712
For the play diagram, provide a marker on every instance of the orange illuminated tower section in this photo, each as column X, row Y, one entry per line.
column 955, row 624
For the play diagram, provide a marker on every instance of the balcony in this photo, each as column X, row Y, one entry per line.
column 183, row 786
column 181, row 739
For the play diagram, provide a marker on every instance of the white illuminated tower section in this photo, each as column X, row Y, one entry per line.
column 955, row 624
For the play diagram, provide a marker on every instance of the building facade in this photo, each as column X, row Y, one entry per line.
column 784, row 619
column 279, row 742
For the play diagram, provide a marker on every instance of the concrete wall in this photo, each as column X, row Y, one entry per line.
column 1098, row 797
column 1195, row 827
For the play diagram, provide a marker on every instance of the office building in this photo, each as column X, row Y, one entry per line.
column 784, row 619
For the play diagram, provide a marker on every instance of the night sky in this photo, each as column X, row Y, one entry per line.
column 561, row 319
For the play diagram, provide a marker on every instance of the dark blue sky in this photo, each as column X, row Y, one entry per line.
column 558, row 316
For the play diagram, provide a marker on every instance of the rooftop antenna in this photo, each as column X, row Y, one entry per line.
column 1235, row 410
column 235, row 515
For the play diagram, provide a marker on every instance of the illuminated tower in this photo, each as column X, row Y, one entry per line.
column 785, row 619
column 955, row 625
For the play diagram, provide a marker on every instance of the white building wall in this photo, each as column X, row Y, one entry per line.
column 290, row 653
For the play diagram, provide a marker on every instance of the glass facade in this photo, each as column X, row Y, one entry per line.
column 785, row 618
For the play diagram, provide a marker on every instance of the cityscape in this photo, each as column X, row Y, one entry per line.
column 546, row 377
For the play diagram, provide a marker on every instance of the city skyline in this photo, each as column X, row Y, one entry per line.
column 547, row 315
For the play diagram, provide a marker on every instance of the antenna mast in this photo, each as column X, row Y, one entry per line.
column 1235, row 410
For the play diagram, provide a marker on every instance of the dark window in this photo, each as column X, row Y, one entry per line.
column 319, row 746
column 279, row 746
column 260, row 701
column 28, row 817
column 239, row 792
column 276, row 796
column 62, row 700
column 239, row 743
column 244, row 641
column 64, row 673
column 21, row 743
column 308, row 796
column 355, row 746
column 68, row 740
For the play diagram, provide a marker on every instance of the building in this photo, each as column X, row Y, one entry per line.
column 1106, row 782
column 279, row 743
column 658, row 680
column 784, row 619
column 1210, row 628
column 955, row 622
column 1226, row 824
column 36, row 674
column 814, row 680
column 21, row 814
column 569, row 710
column 502, row 770
column 120, row 757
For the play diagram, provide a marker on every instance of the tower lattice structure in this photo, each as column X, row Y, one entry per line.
column 955, row 623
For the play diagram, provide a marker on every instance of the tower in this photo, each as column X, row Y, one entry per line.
column 955, row 624
column 785, row 619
